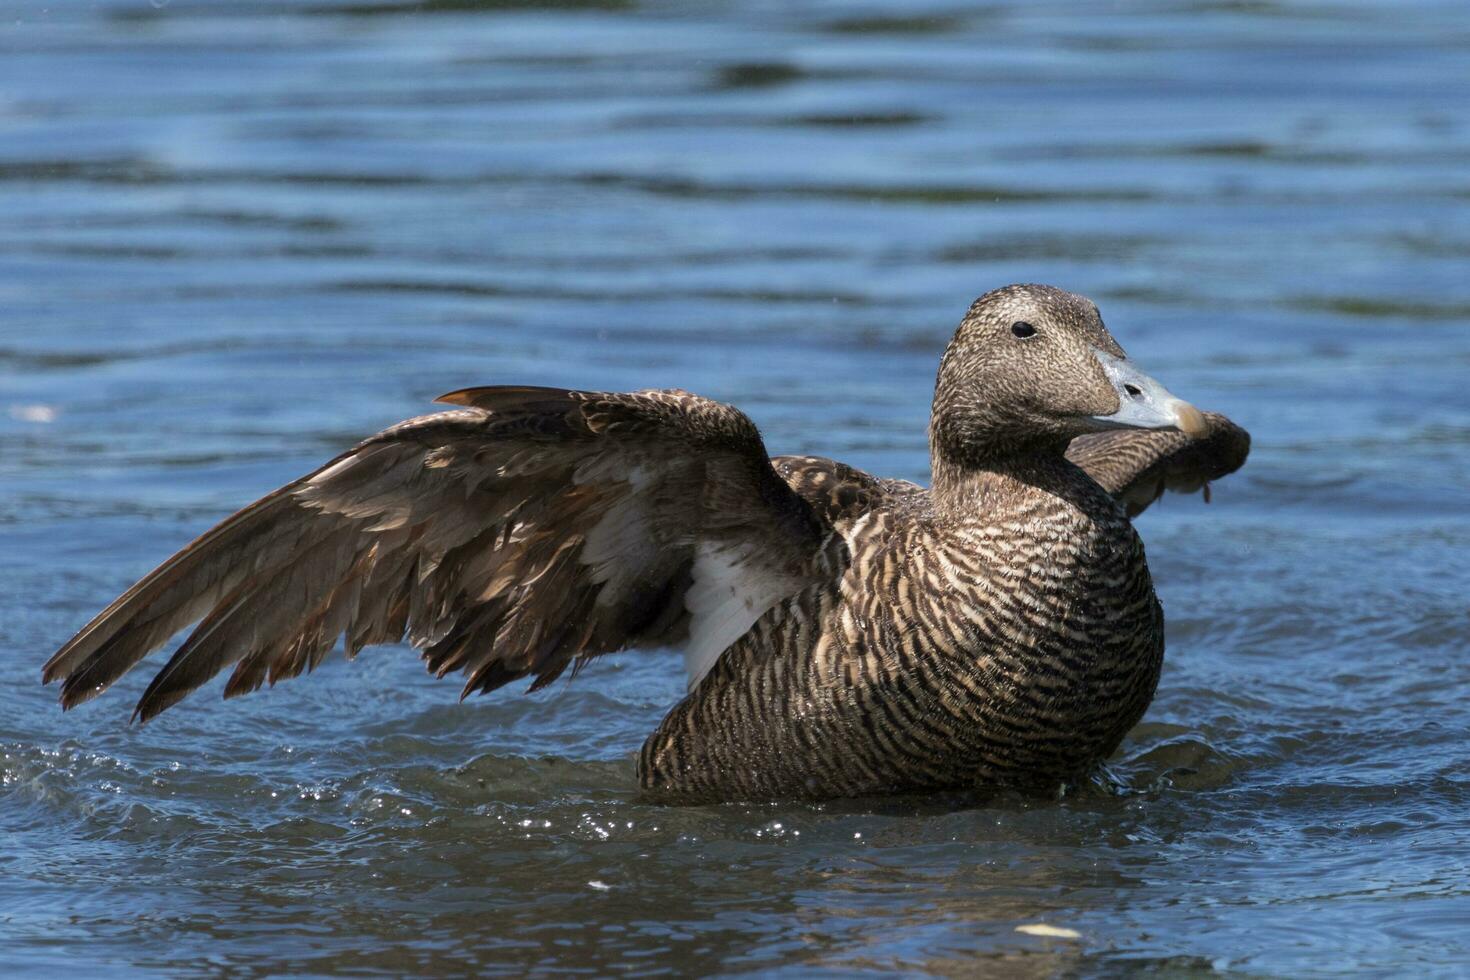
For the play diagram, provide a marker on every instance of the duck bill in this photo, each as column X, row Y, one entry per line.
column 1143, row 403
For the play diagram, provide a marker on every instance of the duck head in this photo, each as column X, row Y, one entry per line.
column 1031, row 368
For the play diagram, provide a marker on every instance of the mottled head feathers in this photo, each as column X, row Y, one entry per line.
column 1031, row 368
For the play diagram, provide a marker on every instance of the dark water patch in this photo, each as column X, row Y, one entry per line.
column 939, row 195
column 1156, row 295
column 1439, row 246
column 218, row 348
column 308, row 223
column 1244, row 150
column 1273, row 9
column 875, row 193
column 843, row 120
column 123, row 170
column 1108, row 248
column 351, row 9
column 156, row 253
column 1109, row 42
column 57, row 360
column 757, row 74
column 614, row 260
column 920, row 25
column 263, row 219
column 487, row 289
column 169, row 10
column 1372, row 307
column 143, row 171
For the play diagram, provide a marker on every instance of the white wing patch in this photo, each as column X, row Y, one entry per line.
column 728, row 594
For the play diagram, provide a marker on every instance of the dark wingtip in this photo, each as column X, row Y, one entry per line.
column 489, row 677
column 54, row 669
column 156, row 699
column 75, row 691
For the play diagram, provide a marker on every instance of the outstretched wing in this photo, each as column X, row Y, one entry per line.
column 1136, row 466
column 533, row 528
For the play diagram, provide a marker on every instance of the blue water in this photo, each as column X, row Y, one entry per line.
column 235, row 237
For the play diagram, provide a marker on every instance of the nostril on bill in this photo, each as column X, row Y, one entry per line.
column 1133, row 391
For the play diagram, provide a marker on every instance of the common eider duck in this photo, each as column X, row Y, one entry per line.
column 844, row 634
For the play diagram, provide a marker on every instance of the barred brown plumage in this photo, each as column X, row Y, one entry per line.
column 844, row 634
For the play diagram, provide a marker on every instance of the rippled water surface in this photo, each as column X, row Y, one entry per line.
column 234, row 237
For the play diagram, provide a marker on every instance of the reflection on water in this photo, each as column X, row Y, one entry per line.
column 239, row 236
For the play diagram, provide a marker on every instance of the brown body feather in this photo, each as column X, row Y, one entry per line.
column 942, row 651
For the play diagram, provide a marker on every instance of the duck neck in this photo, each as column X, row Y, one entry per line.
column 985, row 483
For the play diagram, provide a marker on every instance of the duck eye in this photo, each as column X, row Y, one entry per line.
column 1023, row 329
